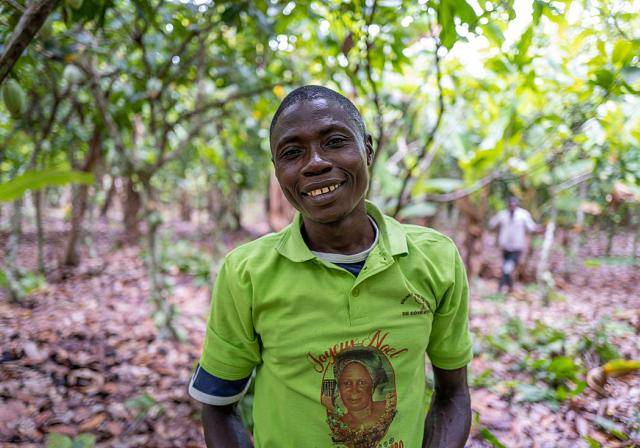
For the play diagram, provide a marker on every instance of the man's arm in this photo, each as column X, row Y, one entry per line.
column 449, row 418
column 223, row 427
column 495, row 220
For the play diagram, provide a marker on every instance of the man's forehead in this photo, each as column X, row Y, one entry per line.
column 315, row 111
column 326, row 107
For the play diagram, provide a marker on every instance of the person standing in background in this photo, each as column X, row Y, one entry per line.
column 513, row 225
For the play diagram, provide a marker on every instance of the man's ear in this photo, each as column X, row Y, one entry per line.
column 368, row 144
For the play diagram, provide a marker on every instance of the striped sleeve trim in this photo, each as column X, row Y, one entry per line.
column 209, row 389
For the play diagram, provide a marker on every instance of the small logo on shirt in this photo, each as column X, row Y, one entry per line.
column 425, row 307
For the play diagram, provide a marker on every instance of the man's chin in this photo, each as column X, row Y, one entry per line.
column 324, row 217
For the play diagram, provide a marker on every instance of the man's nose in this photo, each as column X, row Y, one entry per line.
column 316, row 164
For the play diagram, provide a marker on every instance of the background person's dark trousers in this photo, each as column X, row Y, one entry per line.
column 509, row 263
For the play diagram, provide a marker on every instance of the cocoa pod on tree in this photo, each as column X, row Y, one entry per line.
column 14, row 97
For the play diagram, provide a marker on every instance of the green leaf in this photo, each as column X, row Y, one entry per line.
column 563, row 367
column 533, row 394
column 448, row 35
column 493, row 32
column 36, row 180
column 465, row 12
column 56, row 440
column 523, row 45
column 604, row 78
column 611, row 427
column 622, row 52
column 593, row 443
column 84, row 440
column 490, row 438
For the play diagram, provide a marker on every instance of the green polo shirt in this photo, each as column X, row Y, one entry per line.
column 340, row 360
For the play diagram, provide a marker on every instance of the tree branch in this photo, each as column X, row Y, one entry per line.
column 30, row 23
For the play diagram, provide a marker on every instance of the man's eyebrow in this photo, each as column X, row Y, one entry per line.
column 322, row 131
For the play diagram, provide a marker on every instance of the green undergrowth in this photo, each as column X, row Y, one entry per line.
column 85, row 440
column 187, row 258
column 610, row 261
column 545, row 363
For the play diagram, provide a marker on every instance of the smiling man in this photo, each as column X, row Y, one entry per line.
column 338, row 312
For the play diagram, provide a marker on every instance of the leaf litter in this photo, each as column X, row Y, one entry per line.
column 81, row 358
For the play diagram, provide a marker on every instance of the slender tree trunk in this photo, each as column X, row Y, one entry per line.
column 12, row 272
column 109, row 198
column 131, row 211
column 71, row 257
column 611, row 231
column 89, row 238
column 164, row 313
column 574, row 247
column 185, row 206
column 37, row 205
column 636, row 237
column 543, row 275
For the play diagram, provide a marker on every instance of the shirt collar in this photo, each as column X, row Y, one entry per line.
column 392, row 237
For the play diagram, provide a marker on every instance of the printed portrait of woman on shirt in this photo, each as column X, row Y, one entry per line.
column 360, row 398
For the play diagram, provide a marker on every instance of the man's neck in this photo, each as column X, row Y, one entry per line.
column 351, row 235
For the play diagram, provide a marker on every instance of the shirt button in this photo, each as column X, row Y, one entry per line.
column 355, row 292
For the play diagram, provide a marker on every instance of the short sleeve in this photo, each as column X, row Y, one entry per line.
column 231, row 345
column 529, row 222
column 450, row 342
column 494, row 221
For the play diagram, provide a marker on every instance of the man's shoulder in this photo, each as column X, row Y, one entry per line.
column 255, row 249
column 523, row 211
column 424, row 237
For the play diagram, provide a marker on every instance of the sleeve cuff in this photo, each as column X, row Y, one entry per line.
column 452, row 362
column 210, row 389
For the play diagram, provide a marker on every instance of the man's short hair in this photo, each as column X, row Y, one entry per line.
column 312, row 92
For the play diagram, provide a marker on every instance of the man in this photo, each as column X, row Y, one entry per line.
column 341, row 286
column 513, row 223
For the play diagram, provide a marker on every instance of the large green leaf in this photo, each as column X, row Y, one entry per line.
column 36, row 180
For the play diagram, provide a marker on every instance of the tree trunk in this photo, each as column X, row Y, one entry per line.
column 164, row 313
column 11, row 270
column 109, row 198
column 636, row 237
column 611, row 230
column 71, row 257
column 131, row 211
column 574, row 247
column 185, row 206
column 543, row 263
column 37, row 205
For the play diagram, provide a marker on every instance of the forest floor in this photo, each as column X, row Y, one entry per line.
column 81, row 354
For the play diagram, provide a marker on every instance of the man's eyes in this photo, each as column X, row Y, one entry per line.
column 290, row 152
column 336, row 141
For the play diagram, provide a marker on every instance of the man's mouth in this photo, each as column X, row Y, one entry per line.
column 323, row 190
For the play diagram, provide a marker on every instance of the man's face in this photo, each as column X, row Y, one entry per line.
column 356, row 387
column 513, row 204
column 321, row 159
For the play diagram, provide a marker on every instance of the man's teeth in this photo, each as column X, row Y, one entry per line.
column 324, row 190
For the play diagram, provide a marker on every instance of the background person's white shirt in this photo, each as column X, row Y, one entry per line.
column 513, row 228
